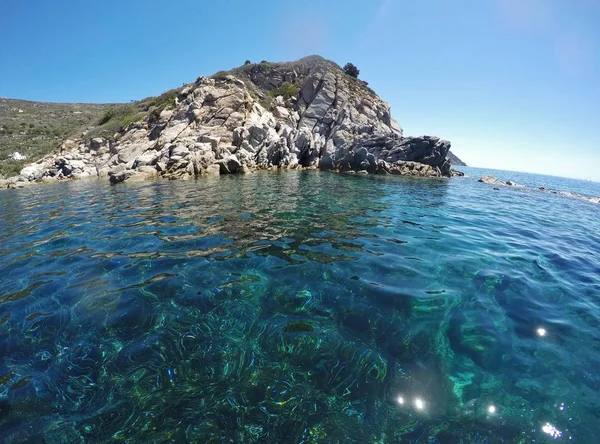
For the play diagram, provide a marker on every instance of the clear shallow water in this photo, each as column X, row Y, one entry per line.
column 299, row 307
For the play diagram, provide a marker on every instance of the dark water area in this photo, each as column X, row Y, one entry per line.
column 299, row 307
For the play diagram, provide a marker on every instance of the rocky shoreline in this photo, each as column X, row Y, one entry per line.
column 305, row 114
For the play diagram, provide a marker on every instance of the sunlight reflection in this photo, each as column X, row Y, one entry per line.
column 541, row 332
column 492, row 409
column 419, row 404
column 551, row 430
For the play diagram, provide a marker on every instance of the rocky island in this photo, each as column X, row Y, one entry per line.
column 305, row 114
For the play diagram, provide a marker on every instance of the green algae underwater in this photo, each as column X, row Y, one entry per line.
column 298, row 307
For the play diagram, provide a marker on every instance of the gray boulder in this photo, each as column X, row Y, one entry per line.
column 120, row 176
column 212, row 170
column 97, row 143
column 402, row 168
column 32, row 172
column 141, row 174
column 229, row 165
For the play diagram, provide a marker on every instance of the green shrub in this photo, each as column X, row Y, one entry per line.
column 106, row 117
column 10, row 168
column 221, row 75
column 154, row 115
column 157, row 105
column 165, row 100
column 128, row 119
column 286, row 90
column 351, row 70
column 248, row 62
column 118, row 118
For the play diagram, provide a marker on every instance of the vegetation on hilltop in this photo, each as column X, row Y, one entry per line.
column 120, row 117
column 35, row 129
column 351, row 70
column 285, row 90
column 249, row 73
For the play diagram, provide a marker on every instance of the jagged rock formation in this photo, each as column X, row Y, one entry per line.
column 238, row 122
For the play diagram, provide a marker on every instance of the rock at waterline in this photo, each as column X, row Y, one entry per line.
column 32, row 172
column 139, row 174
column 491, row 180
column 595, row 200
column 229, row 165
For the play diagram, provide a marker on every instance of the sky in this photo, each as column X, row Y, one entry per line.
column 513, row 84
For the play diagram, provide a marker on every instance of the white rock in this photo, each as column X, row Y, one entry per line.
column 32, row 172
column 16, row 156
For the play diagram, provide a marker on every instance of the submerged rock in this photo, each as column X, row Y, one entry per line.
column 595, row 200
column 491, row 180
column 139, row 174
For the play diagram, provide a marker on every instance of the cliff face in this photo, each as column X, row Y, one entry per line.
column 306, row 114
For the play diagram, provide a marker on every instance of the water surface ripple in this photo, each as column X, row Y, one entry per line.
column 299, row 307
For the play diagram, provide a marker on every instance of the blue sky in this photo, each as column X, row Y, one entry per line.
column 514, row 84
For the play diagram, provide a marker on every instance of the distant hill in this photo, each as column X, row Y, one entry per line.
column 35, row 129
column 454, row 161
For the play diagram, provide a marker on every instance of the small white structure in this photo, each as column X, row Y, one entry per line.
column 17, row 156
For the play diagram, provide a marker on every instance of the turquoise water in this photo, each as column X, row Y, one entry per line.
column 300, row 307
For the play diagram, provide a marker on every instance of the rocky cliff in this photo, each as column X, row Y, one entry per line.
column 304, row 114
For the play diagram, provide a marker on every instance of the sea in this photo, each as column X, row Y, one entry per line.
column 300, row 307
